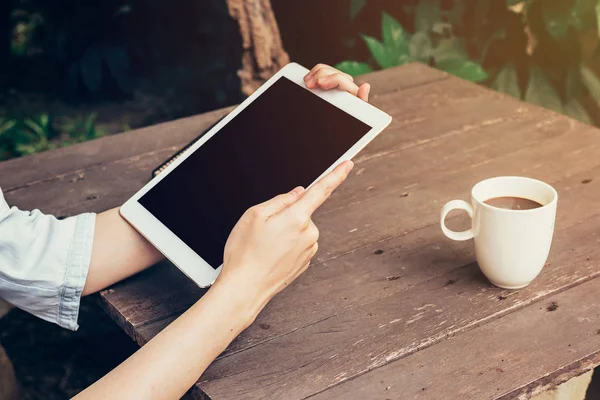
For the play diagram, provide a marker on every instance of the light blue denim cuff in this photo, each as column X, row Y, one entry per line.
column 80, row 255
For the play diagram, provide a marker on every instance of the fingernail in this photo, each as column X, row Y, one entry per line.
column 349, row 166
column 298, row 191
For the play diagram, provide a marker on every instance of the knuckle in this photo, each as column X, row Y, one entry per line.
column 298, row 220
column 256, row 212
column 315, row 249
column 322, row 73
column 313, row 233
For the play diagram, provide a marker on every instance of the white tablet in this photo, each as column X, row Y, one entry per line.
column 282, row 136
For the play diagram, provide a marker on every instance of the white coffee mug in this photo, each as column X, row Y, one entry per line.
column 511, row 246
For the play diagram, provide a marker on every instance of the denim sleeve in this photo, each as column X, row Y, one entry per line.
column 44, row 262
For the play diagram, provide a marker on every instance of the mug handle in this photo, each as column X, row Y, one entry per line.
column 456, row 205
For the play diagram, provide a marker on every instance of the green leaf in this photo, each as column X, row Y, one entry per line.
column 35, row 127
column 354, row 68
column 583, row 15
column 449, row 49
column 356, row 7
column 574, row 84
column 420, row 47
column 426, row 14
column 592, row 82
column 394, row 36
column 598, row 17
column 381, row 54
column 541, row 92
column 556, row 17
column 45, row 121
column 465, row 69
column 507, row 81
column 575, row 110
column 403, row 59
column 6, row 125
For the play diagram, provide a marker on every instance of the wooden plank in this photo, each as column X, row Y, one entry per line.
column 457, row 186
column 75, row 190
column 102, row 177
column 149, row 284
column 374, row 333
column 447, row 108
column 190, row 299
column 395, row 265
column 397, row 79
column 514, row 357
column 385, row 216
column 27, row 171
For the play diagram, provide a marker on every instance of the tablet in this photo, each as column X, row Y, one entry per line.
column 282, row 136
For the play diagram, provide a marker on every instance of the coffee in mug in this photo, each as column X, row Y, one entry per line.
column 512, row 226
column 513, row 203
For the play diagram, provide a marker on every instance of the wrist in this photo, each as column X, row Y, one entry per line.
column 244, row 298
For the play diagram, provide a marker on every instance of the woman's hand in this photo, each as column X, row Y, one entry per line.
column 273, row 242
column 325, row 77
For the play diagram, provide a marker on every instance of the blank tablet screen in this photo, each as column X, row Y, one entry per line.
column 286, row 138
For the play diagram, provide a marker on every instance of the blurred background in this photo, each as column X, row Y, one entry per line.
column 72, row 71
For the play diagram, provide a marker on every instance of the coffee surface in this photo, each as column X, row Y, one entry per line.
column 513, row 203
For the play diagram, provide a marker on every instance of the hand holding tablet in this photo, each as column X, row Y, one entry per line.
column 288, row 133
column 273, row 242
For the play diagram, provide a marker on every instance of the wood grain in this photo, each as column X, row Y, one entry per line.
column 30, row 170
column 514, row 357
column 384, row 327
column 398, row 79
column 541, row 125
column 103, row 173
column 413, row 258
column 521, row 122
column 387, row 295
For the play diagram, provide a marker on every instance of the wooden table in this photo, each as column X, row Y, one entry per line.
column 390, row 309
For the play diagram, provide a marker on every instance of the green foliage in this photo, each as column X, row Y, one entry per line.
column 354, row 68
column 33, row 134
column 540, row 91
column 507, row 81
column 464, row 69
column 398, row 47
column 543, row 52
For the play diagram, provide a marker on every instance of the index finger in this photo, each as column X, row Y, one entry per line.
column 315, row 196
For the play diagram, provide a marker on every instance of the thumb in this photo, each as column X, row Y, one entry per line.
column 281, row 202
column 363, row 92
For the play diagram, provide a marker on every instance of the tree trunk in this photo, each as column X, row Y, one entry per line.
column 263, row 54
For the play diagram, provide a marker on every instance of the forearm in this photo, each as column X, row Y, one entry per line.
column 118, row 252
column 172, row 362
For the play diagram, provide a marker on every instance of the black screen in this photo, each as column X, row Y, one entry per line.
column 286, row 138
